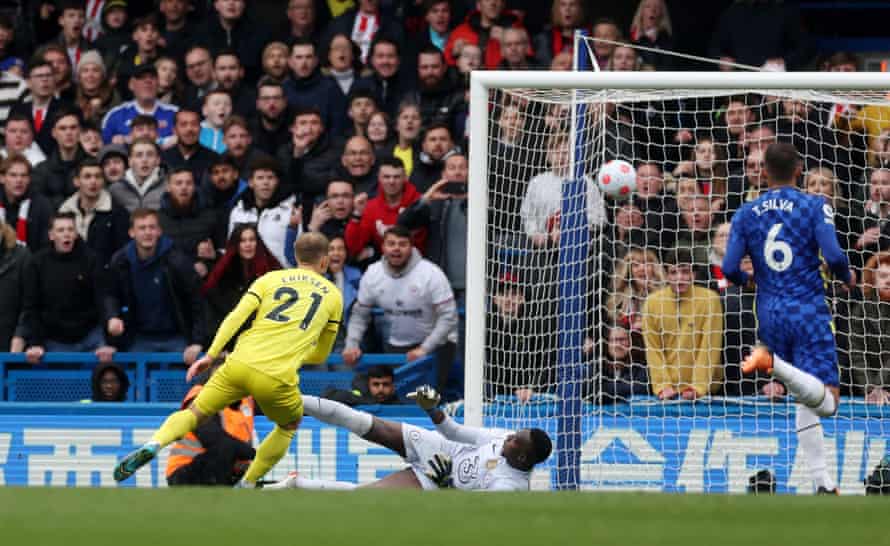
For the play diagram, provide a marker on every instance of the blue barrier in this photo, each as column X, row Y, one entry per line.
column 153, row 380
column 55, row 386
column 315, row 383
column 672, row 447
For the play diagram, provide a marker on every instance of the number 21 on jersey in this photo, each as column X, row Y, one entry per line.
column 288, row 298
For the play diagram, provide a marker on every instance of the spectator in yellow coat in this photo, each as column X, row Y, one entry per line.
column 683, row 332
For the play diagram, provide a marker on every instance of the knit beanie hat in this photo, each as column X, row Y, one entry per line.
column 92, row 57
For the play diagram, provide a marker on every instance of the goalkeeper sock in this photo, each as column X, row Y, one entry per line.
column 271, row 450
column 175, row 427
column 330, row 485
column 337, row 414
column 810, row 440
column 805, row 387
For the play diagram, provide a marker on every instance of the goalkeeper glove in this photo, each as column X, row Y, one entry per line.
column 439, row 471
column 426, row 397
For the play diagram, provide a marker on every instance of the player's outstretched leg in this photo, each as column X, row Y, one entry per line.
column 806, row 388
column 380, row 431
column 295, row 481
column 814, row 400
column 176, row 426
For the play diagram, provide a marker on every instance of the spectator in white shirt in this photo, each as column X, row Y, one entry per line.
column 417, row 301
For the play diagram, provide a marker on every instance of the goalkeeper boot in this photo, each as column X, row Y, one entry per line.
column 135, row 460
column 760, row 359
column 823, row 491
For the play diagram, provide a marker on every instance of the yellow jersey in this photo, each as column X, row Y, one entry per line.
column 294, row 308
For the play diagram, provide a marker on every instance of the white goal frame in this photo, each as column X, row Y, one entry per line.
column 482, row 82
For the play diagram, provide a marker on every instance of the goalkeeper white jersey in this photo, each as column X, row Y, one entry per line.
column 482, row 467
column 477, row 463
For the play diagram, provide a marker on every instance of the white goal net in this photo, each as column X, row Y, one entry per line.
column 568, row 328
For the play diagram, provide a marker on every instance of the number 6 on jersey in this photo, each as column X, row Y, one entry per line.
column 773, row 247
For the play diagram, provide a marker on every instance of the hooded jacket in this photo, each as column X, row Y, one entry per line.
column 178, row 288
column 377, row 217
column 417, row 302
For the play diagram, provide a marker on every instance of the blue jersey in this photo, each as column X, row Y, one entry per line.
column 786, row 233
column 117, row 121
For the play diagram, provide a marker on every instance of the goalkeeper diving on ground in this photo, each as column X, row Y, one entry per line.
column 454, row 455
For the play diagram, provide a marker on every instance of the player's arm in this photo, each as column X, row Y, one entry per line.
column 832, row 252
column 428, row 400
column 233, row 321
column 736, row 249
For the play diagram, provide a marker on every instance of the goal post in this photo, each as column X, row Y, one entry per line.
column 569, row 289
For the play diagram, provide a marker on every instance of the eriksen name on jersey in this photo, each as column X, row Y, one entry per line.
column 783, row 205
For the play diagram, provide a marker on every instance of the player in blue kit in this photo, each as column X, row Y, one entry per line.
column 787, row 234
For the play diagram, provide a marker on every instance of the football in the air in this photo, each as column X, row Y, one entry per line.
column 617, row 178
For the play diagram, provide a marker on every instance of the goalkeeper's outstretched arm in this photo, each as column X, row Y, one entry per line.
column 428, row 400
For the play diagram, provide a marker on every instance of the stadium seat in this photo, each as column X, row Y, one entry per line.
column 315, row 383
column 167, row 386
column 53, row 385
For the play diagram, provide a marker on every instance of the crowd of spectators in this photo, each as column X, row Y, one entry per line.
column 160, row 156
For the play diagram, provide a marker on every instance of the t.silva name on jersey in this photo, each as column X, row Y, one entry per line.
column 782, row 205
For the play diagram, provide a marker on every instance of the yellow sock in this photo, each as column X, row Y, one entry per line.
column 175, row 427
column 271, row 450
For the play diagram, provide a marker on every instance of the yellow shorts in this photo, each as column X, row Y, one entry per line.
column 234, row 380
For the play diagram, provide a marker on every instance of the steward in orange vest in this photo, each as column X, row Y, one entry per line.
column 218, row 452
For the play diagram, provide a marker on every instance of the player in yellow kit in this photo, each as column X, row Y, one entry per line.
column 298, row 313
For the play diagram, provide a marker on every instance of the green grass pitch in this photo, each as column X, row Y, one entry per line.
column 221, row 517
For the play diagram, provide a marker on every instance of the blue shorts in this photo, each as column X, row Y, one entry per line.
column 802, row 334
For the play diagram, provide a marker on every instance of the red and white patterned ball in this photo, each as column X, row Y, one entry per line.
column 617, row 178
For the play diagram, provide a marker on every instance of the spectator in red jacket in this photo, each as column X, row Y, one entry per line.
column 394, row 195
column 483, row 27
